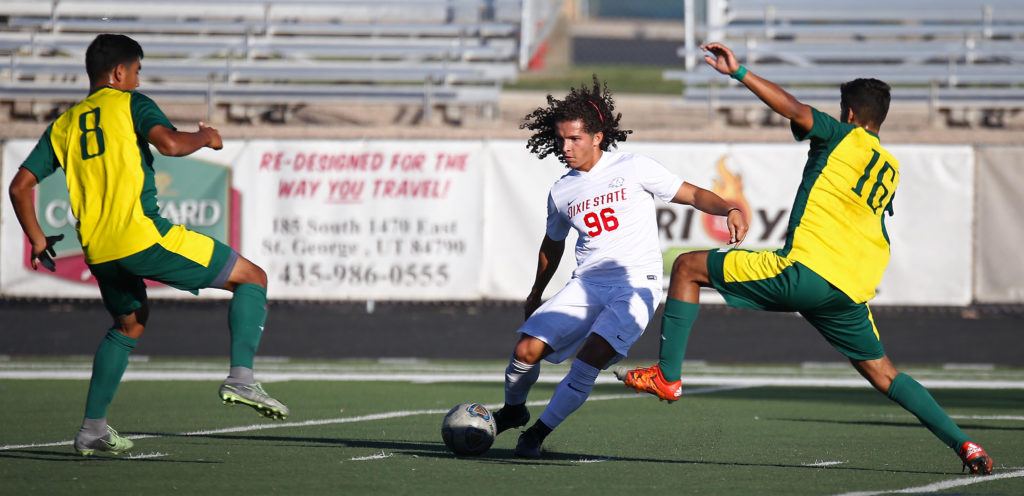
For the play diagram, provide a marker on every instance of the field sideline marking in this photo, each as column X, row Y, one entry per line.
column 421, row 378
column 379, row 456
column 940, row 486
column 141, row 456
column 822, row 464
column 988, row 417
column 361, row 418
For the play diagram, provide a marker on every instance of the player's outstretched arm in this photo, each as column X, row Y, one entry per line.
column 547, row 262
column 178, row 144
column 723, row 60
column 710, row 203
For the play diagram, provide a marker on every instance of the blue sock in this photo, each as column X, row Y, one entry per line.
column 519, row 378
column 570, row 393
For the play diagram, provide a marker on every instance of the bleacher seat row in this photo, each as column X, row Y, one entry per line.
column 954, row 56
column 271, row 52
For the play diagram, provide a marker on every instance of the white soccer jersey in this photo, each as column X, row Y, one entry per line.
column 612, row 207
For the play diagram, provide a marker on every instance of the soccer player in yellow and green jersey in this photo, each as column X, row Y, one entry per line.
column 835, row 254
column 103, row 146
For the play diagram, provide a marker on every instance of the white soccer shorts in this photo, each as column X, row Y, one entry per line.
column 617, row 314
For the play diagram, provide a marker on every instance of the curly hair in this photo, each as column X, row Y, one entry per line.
column 594, row 106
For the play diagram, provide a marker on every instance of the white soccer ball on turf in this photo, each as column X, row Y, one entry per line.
column 468, row 429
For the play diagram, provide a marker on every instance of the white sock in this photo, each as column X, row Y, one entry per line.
column 240, row 375
column 570, row 393
column 519, row 378
column 94, row 428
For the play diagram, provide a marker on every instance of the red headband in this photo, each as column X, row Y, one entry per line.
column 598, row 110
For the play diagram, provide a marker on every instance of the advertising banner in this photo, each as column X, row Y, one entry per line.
column 930, row 234
column 452, row 220
column 1000, row 232
column 364, row 219
column 194, row 191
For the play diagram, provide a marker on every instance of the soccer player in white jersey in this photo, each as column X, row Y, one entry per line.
column 609, row 198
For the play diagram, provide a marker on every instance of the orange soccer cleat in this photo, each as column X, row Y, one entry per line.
column 974, row 456
column 650, row 380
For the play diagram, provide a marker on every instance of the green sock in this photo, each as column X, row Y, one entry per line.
column 676, row 323
column 246, row 317
column 108, row 366
column 912, row 396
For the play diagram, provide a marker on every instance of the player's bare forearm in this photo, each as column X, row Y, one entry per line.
column 710, row 203
column 174, row 143
column 548, row 258
column 724, row 61
column 779, row 100
column 21, row 198
column 701, row 199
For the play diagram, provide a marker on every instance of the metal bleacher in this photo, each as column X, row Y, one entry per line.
column 239, row 55
column 961, row 59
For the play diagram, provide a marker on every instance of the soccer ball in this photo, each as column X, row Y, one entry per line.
column 468, row 429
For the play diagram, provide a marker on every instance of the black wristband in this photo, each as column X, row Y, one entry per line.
column 731, row 209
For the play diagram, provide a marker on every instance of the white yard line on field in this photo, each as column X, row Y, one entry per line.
column 942, row 485
column 822, row 464
column 141, row 456
column 347, row 420
column 455, row 376
column 988, row 417
column 379, row 456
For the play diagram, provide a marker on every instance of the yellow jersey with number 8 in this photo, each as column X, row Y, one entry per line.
column 101, row 145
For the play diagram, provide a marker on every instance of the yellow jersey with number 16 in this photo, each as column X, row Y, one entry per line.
column 836, row 226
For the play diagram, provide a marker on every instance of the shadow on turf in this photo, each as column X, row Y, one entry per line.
column 886, row 423
column 505, row 456
column 582, row 458
column 427, row 447
column 65, row 456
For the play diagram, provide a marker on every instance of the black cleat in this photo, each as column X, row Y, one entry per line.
column 529, row 444
column 511, row 416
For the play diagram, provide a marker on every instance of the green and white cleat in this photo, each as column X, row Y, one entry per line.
column 253, row 395
column 112, row 443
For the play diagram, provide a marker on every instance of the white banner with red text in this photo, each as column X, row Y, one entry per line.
column 458, row 220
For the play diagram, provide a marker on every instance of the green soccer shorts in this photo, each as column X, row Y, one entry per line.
column 763, row 280
column 183, row 259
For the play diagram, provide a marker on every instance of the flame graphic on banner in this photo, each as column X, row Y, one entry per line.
column 730, row 187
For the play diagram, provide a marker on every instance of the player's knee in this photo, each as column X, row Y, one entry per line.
column 529, row 350
column 879, row 382
column 879, row 372
column 131, row 326
column 246, row 272
column 685, row 267
column 259, row 276
column 526, row 356
column 142, row 315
